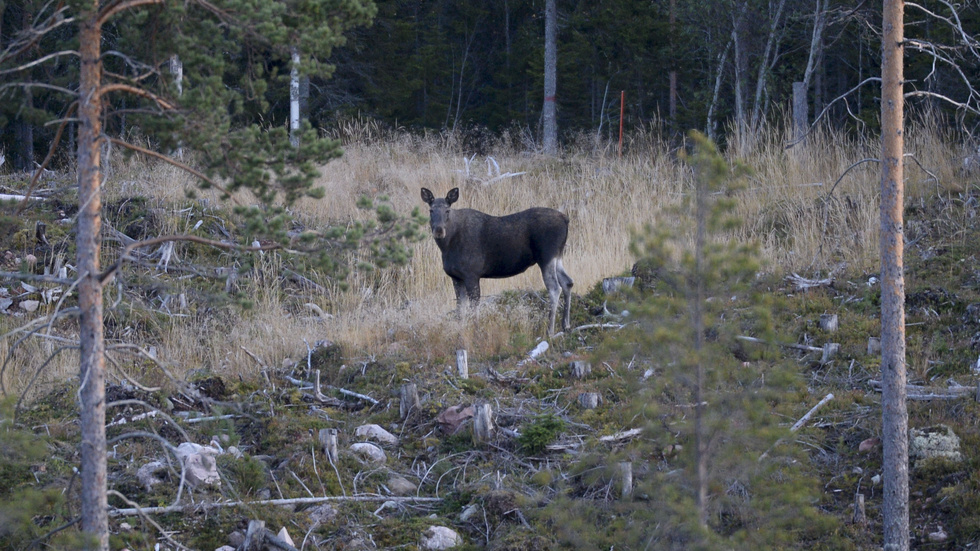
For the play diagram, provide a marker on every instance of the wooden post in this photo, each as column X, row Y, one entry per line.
column 828, row 322
column 482, row 423
column 409, row 400
column 830, row 350
column 626, row 479
column 461, row 365
column 589, row 400
column 328, row 439
column 580, row 369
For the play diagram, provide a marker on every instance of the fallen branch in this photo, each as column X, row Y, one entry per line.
column 802, row 284
column 600, row 326
column 803, row 420
column 12, row 197
column 201, row 507
column 352, row 394
column 619, row 436
column 920, row 392
column 317, row 394
column 794, row 346
column 799, row 424
column 212, row 418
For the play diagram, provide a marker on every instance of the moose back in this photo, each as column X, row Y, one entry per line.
column 477, row 245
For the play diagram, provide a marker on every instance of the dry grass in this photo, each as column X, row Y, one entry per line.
column 804, row 222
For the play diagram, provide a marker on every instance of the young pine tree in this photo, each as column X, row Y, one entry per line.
column 709, row 409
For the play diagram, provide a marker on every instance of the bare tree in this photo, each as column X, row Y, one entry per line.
column 894, row 412
column 801, row 89
column 549, row 115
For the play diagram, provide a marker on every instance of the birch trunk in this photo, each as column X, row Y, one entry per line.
column 549, row 114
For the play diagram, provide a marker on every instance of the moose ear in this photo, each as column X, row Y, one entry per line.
column 452, row 196
column 427, row 196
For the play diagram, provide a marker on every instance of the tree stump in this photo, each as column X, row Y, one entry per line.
column 859, row 516
column 830, row 350
column 580, row 369
column 461, row 365
column 874, row 346
column 589, row 400
column 625, row 479
column 482, row 423
column 828, row 322
column 408, row 400
column 328, row 439
column 255, row 536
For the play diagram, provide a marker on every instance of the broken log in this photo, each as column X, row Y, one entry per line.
column 328, row 439
column 589, row 400
column 462, row 368
column 828, row 352
column 482, row 423
column 408, row 400
column 828, row 322
column 581, row 369
column 625, row 479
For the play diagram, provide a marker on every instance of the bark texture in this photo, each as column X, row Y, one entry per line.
column 550, row 114
column 95, row 520
column 894, row 413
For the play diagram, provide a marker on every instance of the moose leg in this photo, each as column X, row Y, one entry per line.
column 549, row 273
column 566, row 287
column 460, row 289
column 473, row 291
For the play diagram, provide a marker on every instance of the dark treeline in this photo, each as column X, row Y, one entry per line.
column 449, row 64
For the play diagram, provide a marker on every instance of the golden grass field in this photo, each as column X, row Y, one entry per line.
column 406, row 311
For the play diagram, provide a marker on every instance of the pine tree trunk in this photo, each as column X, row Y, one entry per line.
column 94, row 522
column 550, row 115
column 894, row 412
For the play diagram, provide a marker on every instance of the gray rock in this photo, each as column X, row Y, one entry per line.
column 236, row 539
column 322, row 513
column 401, row 486
column 437, row 538
column 376, row 432
column 469, row 512
column 202, row 470
column 368, row 453
column 147, row 474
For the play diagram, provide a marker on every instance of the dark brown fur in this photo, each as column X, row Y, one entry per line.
column 476, row 245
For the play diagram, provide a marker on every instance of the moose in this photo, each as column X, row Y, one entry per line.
column 476, row 245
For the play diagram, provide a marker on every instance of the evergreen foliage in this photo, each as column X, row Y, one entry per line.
column 29, row 513
column 702, row 404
